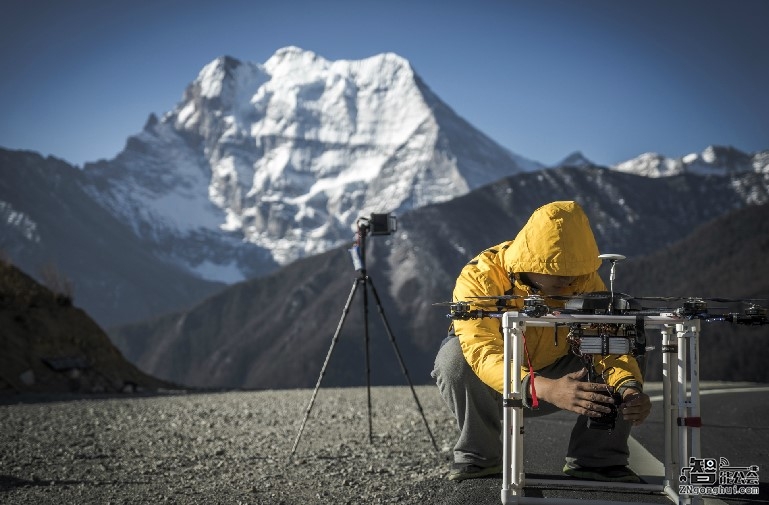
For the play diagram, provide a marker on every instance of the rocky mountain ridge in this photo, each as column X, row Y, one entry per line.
column 714, row 160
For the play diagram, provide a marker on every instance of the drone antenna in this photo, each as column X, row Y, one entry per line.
column 614, row 258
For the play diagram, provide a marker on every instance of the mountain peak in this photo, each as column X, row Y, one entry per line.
column 651, row 164
column 575, row 159
column 724, row 154
column 223, row 65
column 213, row 77
column 294, row 60
column 285, row 155
column 152, row 121
column 292, row 52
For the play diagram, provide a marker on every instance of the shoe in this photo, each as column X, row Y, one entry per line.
column 603, row 474
column 462, row 471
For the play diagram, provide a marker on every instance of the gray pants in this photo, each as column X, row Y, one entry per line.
column 478, row 411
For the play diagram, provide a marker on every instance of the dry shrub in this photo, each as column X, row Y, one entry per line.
column 61, row 286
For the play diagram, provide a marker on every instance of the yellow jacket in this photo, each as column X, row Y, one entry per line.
column 556, row 240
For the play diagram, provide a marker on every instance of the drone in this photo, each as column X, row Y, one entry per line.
column 591, row 334
column 605, row 302
column 608, row 303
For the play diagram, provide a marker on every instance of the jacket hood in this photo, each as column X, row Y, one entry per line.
column 557, row 240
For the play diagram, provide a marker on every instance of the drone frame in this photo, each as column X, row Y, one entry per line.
column 679, row 328
column 680, row 396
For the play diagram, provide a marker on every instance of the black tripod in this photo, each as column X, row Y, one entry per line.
column 358, row 253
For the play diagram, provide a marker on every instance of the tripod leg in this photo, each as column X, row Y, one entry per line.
column 368, row 359
column 334, row 339
column 400, row 358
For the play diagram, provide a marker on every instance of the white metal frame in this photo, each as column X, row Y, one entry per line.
column 681, row 404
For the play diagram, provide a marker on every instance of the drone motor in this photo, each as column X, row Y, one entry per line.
column 534, row 306
column 693, row 307
column 752, row 315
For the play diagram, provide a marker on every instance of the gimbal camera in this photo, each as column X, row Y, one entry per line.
column 378, row 224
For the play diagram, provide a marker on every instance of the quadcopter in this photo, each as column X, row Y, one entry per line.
column 605, row 302
column 603, row 338
column 609, row 303
column 607, row 323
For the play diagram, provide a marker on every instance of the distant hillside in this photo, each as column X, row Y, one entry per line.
column 274, row 332
column 725, row 258
column 49, row 346
column 48, row 220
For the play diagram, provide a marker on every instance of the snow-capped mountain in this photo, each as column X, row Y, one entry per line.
column 714, row 160
column 261, row 164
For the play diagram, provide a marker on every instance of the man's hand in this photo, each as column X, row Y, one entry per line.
column 636, row 406
column 570, row 393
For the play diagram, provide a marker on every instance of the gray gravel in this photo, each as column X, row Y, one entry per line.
column 228, row 447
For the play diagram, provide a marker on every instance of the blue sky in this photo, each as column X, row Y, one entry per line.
column 544, row 78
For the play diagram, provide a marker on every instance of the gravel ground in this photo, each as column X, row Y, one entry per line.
column 230, row 447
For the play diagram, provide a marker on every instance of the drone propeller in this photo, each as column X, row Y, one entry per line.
column 660, row 298
column 465, row 306
column 718, row 299
column 497, row 297
column 524, row 297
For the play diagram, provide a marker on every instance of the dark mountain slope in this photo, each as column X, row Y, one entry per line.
column 270, row 333
column 725, row 258
column 274, row 332
column 631, row 215
column 49, row 346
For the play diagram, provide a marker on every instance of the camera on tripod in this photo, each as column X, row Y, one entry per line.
column 378, row 224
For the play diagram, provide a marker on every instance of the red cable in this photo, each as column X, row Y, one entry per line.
column 534, row 399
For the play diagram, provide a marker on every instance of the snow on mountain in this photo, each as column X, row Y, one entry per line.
column 19, row 223
column 714, row 160
column 262, row 164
